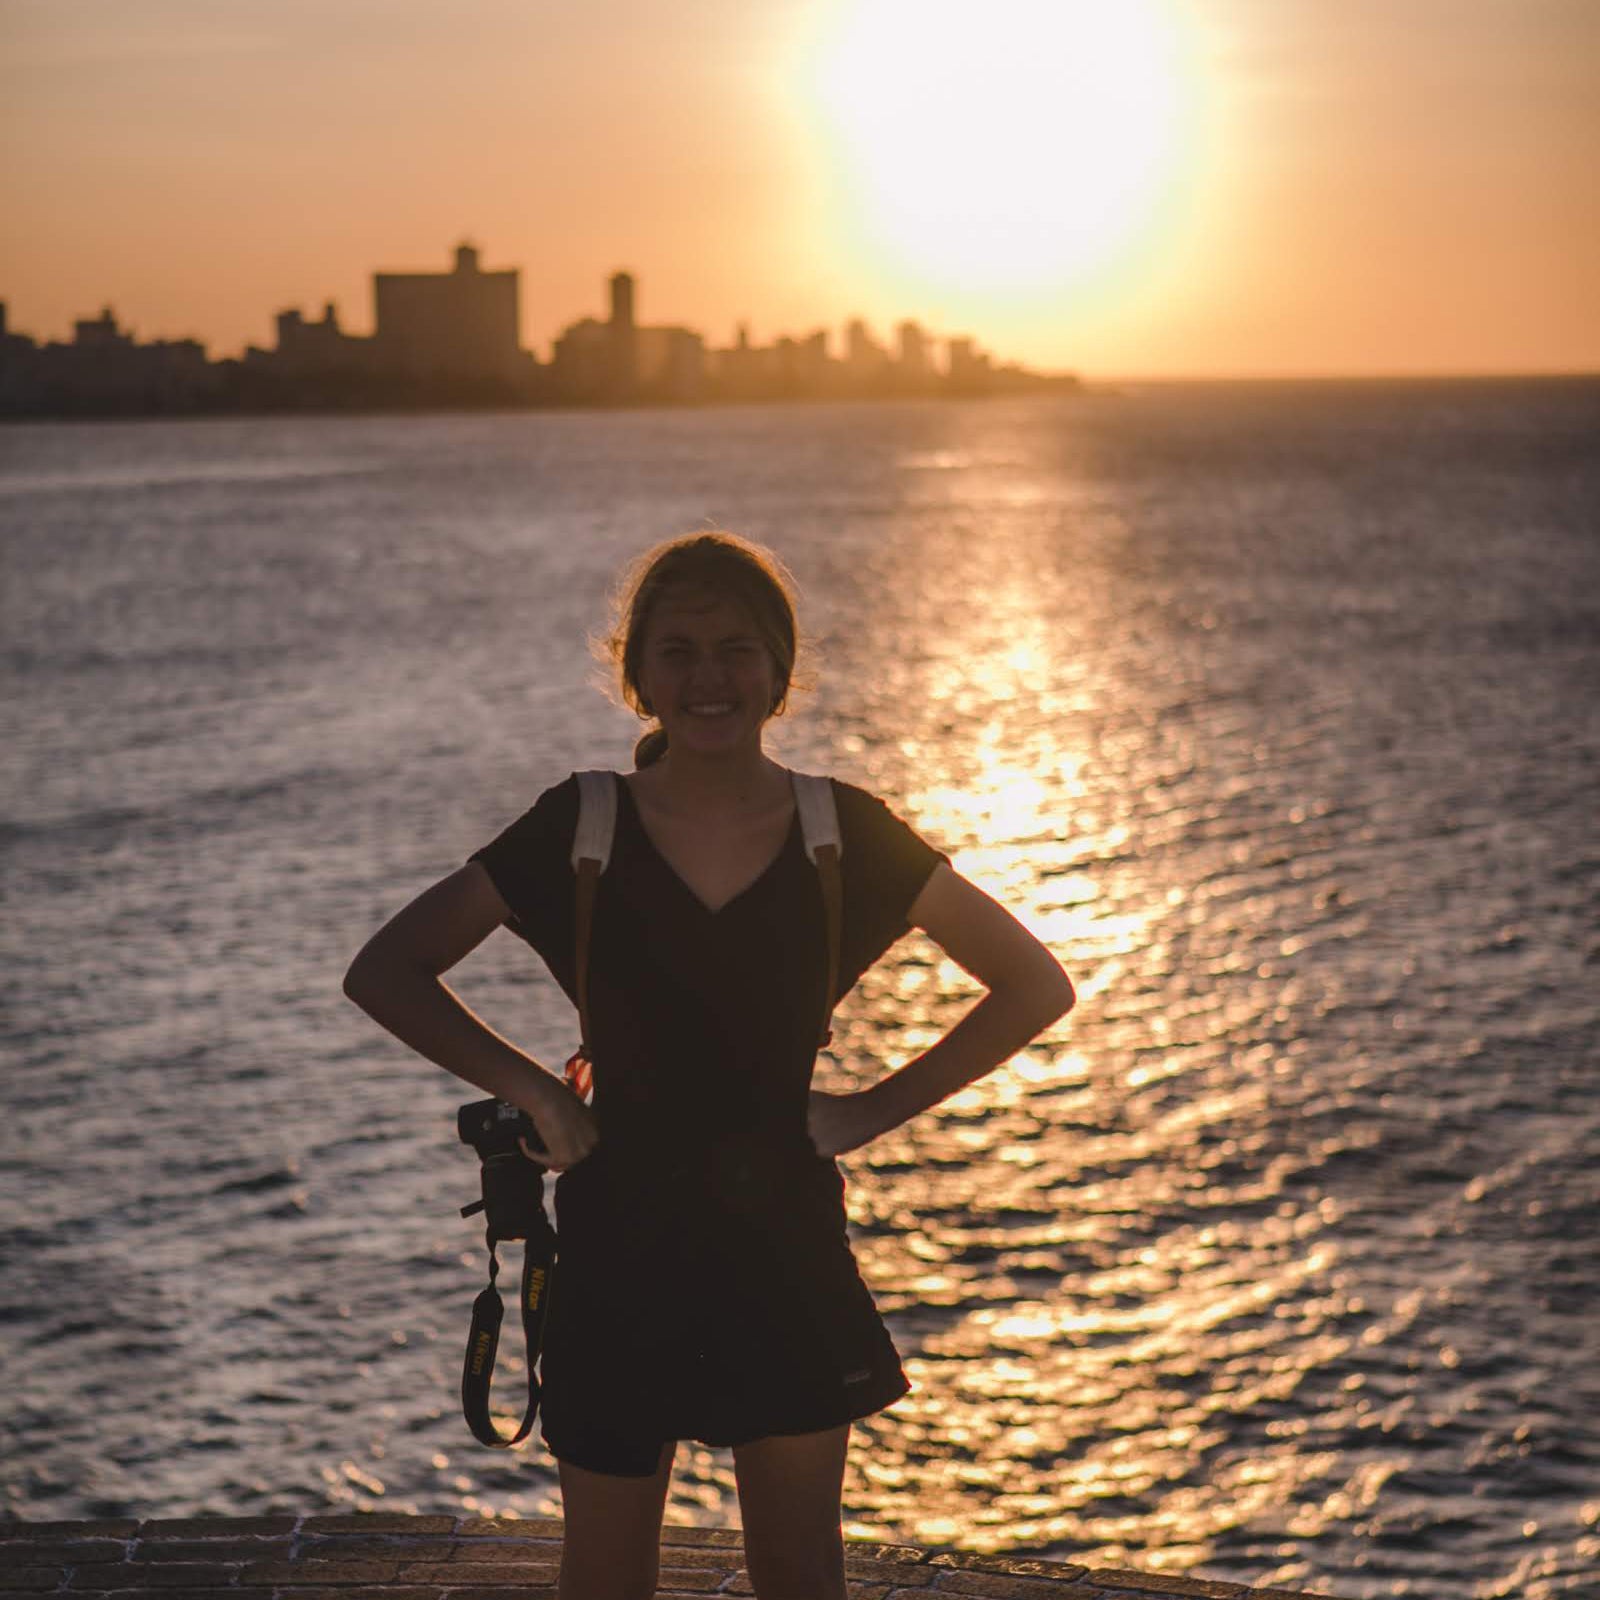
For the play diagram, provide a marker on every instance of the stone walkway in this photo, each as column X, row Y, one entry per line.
column 384, row 1556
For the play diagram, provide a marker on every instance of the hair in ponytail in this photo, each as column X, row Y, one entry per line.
column 651, row 747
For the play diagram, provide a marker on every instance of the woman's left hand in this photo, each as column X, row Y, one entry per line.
column 841, row 1122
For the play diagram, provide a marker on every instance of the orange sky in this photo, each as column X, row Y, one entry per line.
column 1122, row 187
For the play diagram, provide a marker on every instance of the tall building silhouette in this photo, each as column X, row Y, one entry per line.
column 624, row 335
column 461, row 326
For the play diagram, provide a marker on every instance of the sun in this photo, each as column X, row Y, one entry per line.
column 1004, row 145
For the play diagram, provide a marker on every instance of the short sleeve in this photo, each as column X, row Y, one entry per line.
column 884, row 863
column 530, row 864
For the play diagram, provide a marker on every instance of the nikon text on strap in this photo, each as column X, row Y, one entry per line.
column 538, row 1261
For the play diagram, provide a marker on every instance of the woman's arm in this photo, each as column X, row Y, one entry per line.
column 396, row 980
column 1027, row 992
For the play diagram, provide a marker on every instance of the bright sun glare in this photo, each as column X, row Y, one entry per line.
column 1006, row 145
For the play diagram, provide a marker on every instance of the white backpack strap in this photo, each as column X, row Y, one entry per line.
column 591, row 850
column 819, row 812
column 597, row 818
column 819, row 826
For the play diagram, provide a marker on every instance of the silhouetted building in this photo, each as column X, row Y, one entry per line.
column 105, row 371
column 313, row 364
column 318, row 346
column 866, row 361
column 968, row 371
column 583, row 361
column 669, row 363
column 914, row 363
column 624, row 336
column 618, row 361
column 450, row 330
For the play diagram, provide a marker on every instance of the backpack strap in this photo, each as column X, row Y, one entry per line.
column 591, row 852
column 819, row 827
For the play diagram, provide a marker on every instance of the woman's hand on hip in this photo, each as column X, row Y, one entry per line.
column 841, row 1122
column 567, row 1126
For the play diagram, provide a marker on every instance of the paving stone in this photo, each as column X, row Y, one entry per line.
column 522, row 1527
column 380, row 1592
column 375, row 1547
column 152, row 1575
column 214, row 1527
column 707, row 1559
column 903, row 1576
column 993, row 1585
column 113, row 1528
column 310, row 1574
column 208, row 1549
column 1008, row 1566
column 723, row 1538
column 31, row 1577
column 471, row 1552
column 146, row 1592
column 539, row 1591
column 869, row 1550
column 1153, row 1583
column 384, row 1591
column 63, row 1552
column 691, row 1580
column 377, row 1522
column 446, row 1574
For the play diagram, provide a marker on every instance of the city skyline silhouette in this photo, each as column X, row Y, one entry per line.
column 453, row 338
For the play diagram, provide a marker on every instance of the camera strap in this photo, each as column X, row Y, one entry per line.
column 488, row 1312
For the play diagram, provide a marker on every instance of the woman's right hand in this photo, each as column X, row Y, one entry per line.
column 567, row 1126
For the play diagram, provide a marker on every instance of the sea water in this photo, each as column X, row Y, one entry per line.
column 1273, row 710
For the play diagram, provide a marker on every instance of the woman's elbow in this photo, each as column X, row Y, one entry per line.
column 1042, row 995
column 360, row 982
column 1056, row 997
column 371, row 978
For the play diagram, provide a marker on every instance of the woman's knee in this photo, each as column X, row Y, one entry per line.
column 813, row 1571
column 611, row 1536
column 789, row 1494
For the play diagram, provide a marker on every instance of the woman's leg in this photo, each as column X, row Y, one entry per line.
column 789, row 1487
column 611, row 1536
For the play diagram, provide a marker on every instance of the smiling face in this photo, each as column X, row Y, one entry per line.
column 705, row 672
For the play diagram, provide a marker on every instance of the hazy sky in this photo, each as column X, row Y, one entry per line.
column 1135, row 187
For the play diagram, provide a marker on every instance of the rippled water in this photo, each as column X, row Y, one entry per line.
column 1273, row 710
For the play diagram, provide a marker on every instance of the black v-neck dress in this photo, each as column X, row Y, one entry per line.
column 705, row 1287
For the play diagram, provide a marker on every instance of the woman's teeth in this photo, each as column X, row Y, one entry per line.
column 710, row 708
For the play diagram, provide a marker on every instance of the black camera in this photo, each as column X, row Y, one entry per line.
column 492, row 1128
column 513, row 1185
column 513, row 1208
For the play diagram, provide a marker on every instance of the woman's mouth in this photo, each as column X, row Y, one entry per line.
column 710, row 708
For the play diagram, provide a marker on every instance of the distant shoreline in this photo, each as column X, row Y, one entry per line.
column 1046, row 387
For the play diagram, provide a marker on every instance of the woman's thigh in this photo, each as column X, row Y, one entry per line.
column 611, row 1533
column 789, row 1487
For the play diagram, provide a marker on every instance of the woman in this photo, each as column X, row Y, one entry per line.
column 705, row 1286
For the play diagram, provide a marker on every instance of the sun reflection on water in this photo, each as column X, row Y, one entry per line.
column 1101, row 1262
